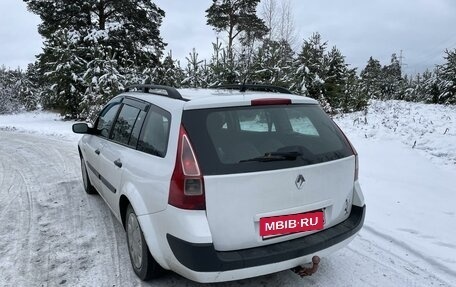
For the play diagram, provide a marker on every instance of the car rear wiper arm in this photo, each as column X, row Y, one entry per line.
column 275, row 156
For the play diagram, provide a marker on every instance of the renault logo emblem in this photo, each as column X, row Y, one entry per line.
column 300, row 181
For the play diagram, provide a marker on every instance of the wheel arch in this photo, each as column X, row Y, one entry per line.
column 123, row 205
column 133, row 198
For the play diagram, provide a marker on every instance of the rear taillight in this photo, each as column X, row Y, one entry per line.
column 356, row 162
column 355, row 153
column 187, row 185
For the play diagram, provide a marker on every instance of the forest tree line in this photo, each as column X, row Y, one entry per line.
column 94, row 49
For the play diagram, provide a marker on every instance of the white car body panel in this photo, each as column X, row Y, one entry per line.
column 149, row 176
column 236, row 202
column 90, row 144
column 111, row 173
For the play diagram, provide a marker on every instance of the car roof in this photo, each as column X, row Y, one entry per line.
column 209, row 98
column 200, row 98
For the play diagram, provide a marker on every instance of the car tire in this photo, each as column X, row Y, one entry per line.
column 88, row 187
column 143, row 263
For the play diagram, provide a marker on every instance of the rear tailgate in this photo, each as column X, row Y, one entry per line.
column 236, row 203
column 267, row 161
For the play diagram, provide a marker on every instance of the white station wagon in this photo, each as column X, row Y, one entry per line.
column 222, row 184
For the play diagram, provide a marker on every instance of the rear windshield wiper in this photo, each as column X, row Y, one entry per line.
column 275, row 156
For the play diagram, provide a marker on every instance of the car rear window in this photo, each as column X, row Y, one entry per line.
column 258, row 138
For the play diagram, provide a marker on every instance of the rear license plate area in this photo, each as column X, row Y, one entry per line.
column 288, row 224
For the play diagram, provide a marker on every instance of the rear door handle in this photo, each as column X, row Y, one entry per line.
column 97, row 151
column 118, row 163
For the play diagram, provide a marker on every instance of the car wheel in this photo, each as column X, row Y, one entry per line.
column 88, row 187
column 142, row 261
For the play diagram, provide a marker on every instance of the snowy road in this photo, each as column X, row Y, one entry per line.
column 52, row 233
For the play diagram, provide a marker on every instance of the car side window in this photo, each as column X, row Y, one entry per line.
column 124, row 124
column 106, row 119
column 137, row 129
column 155, row 133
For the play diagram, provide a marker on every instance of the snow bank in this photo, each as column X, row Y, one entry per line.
column 430, row 129
column 45, row 123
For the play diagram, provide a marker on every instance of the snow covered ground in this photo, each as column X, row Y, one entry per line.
column 430, row 129
column 52, row 233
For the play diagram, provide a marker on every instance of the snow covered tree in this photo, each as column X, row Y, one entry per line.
column 62, row 68
column 129, row 27
column 17, row 90
column 98, row 39
column 413, row 88
column 221, row 69
column 447, row 77
column 371, row 79
column 194, row 71
column 102, row 80
column 169, row 73
column 335, row 78
column 353, row 97
column 218, row 65
column 310, row 70
column 236, row 18
column 9, row 95
column 431, row 91
column 28, row 90
column 272, row 63
column 392, row 86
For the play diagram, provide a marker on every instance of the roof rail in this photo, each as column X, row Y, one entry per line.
column 170, row 91
column 254, row 87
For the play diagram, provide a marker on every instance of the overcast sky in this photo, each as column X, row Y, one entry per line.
column 422, row 29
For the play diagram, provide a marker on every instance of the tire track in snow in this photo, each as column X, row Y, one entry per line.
column 7, row 206
column 50, row 187
column 2, row 173
column 19, row 251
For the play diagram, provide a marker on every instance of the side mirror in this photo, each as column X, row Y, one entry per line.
column 81, row 128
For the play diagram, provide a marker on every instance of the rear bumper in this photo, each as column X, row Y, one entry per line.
column 202, row 257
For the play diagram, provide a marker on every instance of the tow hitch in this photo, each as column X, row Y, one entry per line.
column 307, row 271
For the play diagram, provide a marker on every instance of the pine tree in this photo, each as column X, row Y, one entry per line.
column 236, row 18
column 169, row 73
column 194, row 72
column 392, row 86
column 335, row 78
column 413, row 87
column 129, row 27
column 353, row 97
column 9, row 91
column 218, row 65
column 62, row 68
column 272, row 63
column 371, row 79
column 447, row 79
column 309, row 70
column 102, row 79
column 223, row 70
column 84, row 38
column 431, row 92
column 28, row 91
